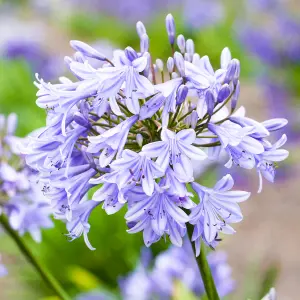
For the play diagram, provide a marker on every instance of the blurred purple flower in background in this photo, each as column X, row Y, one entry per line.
column 173, row 265
column 33, row 53
column 129, row 11
column 24, row 40
column 198, row 14
column 21, row 200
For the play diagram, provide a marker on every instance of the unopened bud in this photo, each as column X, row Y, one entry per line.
column 170, row 64
column 194, row 119
column 179, row 61
column 144, row 44
column 210, row 101
column 140, row 28
column 87, row 50
column 139, row 139
column 181, row 94
column 170, row 25
column 224, row 93
column 190, row 46
column 130, row 53
column 181, row 43
column 235, row 96
column 160, row 65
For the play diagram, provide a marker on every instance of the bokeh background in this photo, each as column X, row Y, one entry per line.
column 263, row 34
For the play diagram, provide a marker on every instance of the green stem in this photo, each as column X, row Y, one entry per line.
column 208, row 145
column 47, row 277
column 203, row 265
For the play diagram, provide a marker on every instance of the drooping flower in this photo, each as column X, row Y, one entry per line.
column 266, row 162
column 79, row 224
column 218, row 207
column 156, row 215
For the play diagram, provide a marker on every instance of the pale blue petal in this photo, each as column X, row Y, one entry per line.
column 186, row 136
column 224, row 184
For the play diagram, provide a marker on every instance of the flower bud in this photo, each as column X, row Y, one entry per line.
column 179, row 61
column 231, row 70
column 160, row 65
column 235, row 96
column 181, row 43
column 188, row 57
column 87, row 50
column 170, row 25
column 210, row 101
column 224, row 93
column 225, row 58
column 144, row 44
column 130, row 53
column 174, row 75
column 79, row 57
column 194, row 119
column 181, row 94
column 140, row 28
column 68, row 60
column 190, row 46
column 139, row 139
column 196, row 59
column 237, row 72
column 170, row 64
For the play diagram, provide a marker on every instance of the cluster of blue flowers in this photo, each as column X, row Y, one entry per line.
column 134, row 129
column 21, row 199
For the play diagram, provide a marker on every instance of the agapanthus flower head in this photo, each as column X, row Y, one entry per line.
column 133, row 129
column 21, row 199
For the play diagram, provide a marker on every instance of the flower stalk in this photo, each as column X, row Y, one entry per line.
column 208, row 281
column 39, row 267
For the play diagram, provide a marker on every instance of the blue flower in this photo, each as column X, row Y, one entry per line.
column 26, row 208
column 134, row 169
column 110, row 196
column 176, row 149
column 218, row 206
column 111, row 142
column 50, row 152
column 79, row 224
column 238, row 143
column 28, row 213
column 108, row 81
column 157, row 215
column 266, row 162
